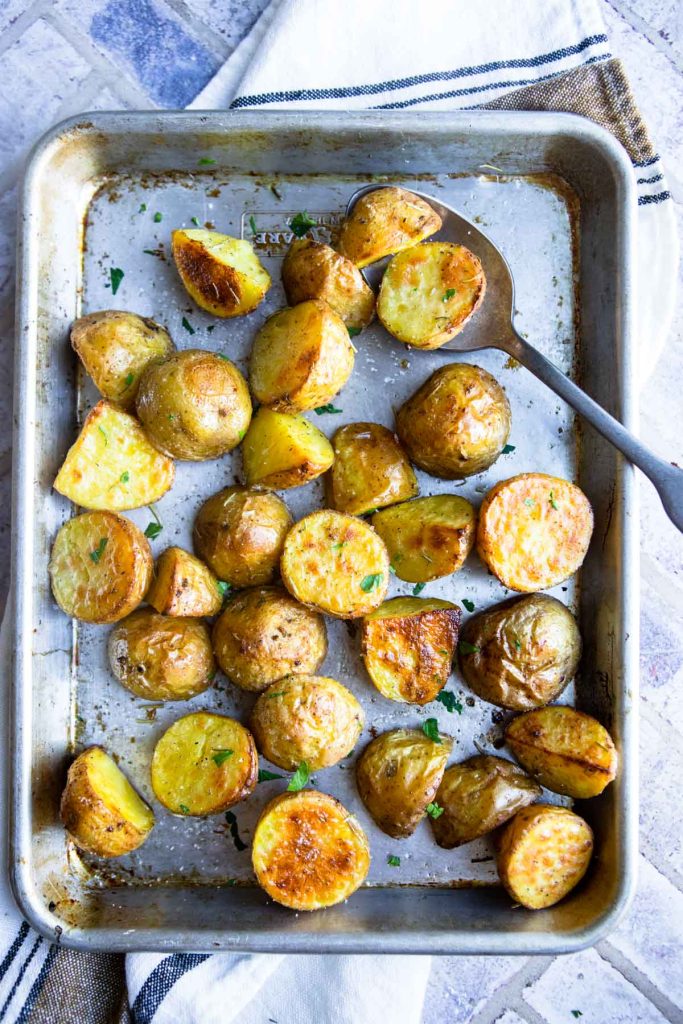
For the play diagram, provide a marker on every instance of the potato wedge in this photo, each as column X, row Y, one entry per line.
column 398, row 775
column 370, row 470
column 407, row 646
column 282, row 451
column 544, row 853
column 183, row 586
column 457, row 423
column 223, row 275
column 566, row 750
column 100, row 809
column 309, row 852
column 335, row 563
column 203, row 764
column 100, row 567
column 161, row 658
column 113, row 465
column 264, row 634
column 386, row 221
column 313, row 270
column 301, row 358
column 430, row 292
column 477, row 796
column 534, row 531
column 115, row 347
column 428, row 537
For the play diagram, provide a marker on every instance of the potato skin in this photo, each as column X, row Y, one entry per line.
column 161, row 658
column 428, row 537
column 335, row 563
column 100, row 567
column 308, row 851
column 313, row 270
column 544, row 853
column 457, row 423
column 115, row 347
column 398, row 774
column 306, row 718
column 477, row 796
column 384, row 222
column 407, row 646
column 240, row 533
column 282, row 451
column 567, row 750
column 370, row 470
column 264, row 634
column 195, row 405
column 183, row 586
column 534, row 531
column 222, row 274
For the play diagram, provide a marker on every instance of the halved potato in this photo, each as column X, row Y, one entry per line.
column 428, row 537
column 100, row 567
column 568, row 751
column 544, row 853
column 308, row 851
column 100, row 809
column 429, row 293
column 203, row 764
column 457, row 423
column 115, row 347
column 385, row 221
column 282, row 451
column 407, row 646
column 398, row 775
column 161, row 658
column 477, row 796
column 313, row 270
column 222, row 274
column 113, row 465
column 184, row 586
column 264, row 634
column 301, row 358
column 534, row 531
column 335, row 563
column 370, row 470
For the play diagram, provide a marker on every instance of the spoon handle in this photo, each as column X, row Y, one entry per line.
column 667, row 478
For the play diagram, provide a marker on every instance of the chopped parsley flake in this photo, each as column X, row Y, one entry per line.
column 204, row 161
column 468, row 604
column 223, row 587
column 195, row 221
column 187, row 325
column 99, row 550
column 466, row 648
column 221, row 755
column 301, row 223
column 448, row 294
column 125, row 477
column 353, row 331
column 252, row 225
column 517, row 644
column 553, row 502
column 266, row 776
column 339, row 545
column 418, row 588
column 183, row 809
column 157, row 218
column 280, row 693
column 152, row 530
column 508, row 448
column 576, row 1013
column 143, row 208
column 129, row 379
column 299, row 778
column 430, row 727
column 329, row 408
column 529, row 502
column 369, row 583
column 116, row 276
column 103, row 432
column 393, row 861
column 434, row 811
column 449, row 701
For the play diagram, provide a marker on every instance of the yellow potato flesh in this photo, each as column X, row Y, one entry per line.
column 222, row 274
column 184, row 586
column 282, row 451
column 428, row 537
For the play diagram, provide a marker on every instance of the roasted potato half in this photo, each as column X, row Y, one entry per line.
column 521, row 653
column 264, row 634
column 282, row 451
column 203, row 764
column 101, row 567
column 335, row 563
column 398, row 775
column 161, row 658
column 383, row 222
column 306, row 718
column 240, row 534
column 223, row 275
column 457, row 423
column 370, row 470
column 301, row 358
column 308, row 851
column 566, row 750
column 407, row 646
column 183, row 586
column 428, row 537
column 429, row 293
column 195, row 405
column 534, row 531
column 100, row 809
column 313, row 270
column 112, row 464
column 543, row 854
column 478, row 795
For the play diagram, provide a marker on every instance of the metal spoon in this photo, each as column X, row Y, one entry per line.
column 493, row 327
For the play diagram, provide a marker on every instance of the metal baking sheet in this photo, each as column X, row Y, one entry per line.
column 105, row 192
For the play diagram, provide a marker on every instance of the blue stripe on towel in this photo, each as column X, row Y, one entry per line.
column 13, row 950
column 161, row 981
column 38, row 985
column 20, row 976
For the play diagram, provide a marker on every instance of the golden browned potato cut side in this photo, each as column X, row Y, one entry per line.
column 370, row 470
column 383, row 222
column 282, row 451
column 184, row 586
column 313, row 270
column 428, row 537
column 222, row 274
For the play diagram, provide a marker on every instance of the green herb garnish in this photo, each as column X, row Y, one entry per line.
column 187, row 325
column 143, row 208
column 157, row 218
column 266, row 776
column 204, row 161
column 211, row 327
column 301, row 223
column 553, row 502
column 418, row 588
column 393, row 861
column 353, row 331
column 183, row 809
column 508, row 448
column 271, row 696
column 125, row 477
column 320, row 410
column 129, row 379
column 152, row 530
column 466, row 648
column 430, row 727
column 339, row 545
column 223, row 587
column 368, row 583
column 116, row 276
column 576, row 1013
column 517, row 644
column 299, row 778
column 221, row 755
column 195, row 221
column 232, row 822
column 103, row 432
column 529, row 502
column 434, row 811
column 151, row 252
column 252, row 225
column 468, row 604
column 449, row 701
column 448, row 294
column 99, row 550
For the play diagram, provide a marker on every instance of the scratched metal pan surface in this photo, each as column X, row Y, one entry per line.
column 104, row 191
